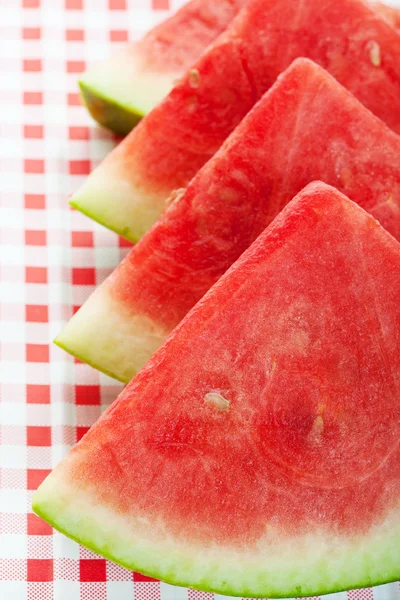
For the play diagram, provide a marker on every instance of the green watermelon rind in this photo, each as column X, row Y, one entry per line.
column 58, row 504
column 120, row 91
column 124, row 232
column 82, row 358
column 108, row 111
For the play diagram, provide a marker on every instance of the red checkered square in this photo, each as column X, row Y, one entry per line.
column 36, row 313
column 78, row 133
column 35, row 274
column 87, row 394
column 79, row 167
column 37, row 353
column 32, row 65
column 92, row 570
column 37, row 526
column 31, row 33
column 74, row 99
column 32, row 98
column 33, row 131
column 117, row 4
column 74, row 4
column 35, row 477
column 35, row 238
column 80, row 432
column 82, row 276
column 119, row 35
column 82, row 239
column 33, row 165
column 37, row 394
column 40, row 569
column 74, row 35
column 38, row 436
column 75, row 66
column 160, row 4
column 35, row 201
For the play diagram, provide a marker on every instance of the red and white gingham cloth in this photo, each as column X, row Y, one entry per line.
column 51, row 260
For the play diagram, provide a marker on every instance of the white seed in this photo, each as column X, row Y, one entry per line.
column 174, row 196
column 216, row 400
column 375, row 53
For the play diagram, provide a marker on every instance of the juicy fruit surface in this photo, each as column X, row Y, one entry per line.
column 389, row 13
column 306, row 127
column 168, row 147
column 120, row 90
column 178, row 41
column 271, row 415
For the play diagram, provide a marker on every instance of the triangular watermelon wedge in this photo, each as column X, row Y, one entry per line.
column 122, row 89
column 128, row 191
column 306, row 127
column 258, row 452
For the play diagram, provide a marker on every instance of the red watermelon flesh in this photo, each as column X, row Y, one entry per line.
column 389, row 13
column 123, row 88
column 306, row 127
column 127, row 192
column 258, row 452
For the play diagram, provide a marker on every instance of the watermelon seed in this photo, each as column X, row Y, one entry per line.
column 374, row 53
column 216, row 400
column 317, row 430
column 194, row 78
column 174, row 196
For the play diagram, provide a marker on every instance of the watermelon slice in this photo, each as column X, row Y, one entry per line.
column 128, row 191
column 306, row 127
column 125, row 87
column 120, row 90
column 258, row 452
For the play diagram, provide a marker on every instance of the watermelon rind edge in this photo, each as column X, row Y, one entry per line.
column 109, row 336
column 125, row 233
column 107, row 111
column 80, row 357
column 123, row 87
column 79, row 516
column 134, row 206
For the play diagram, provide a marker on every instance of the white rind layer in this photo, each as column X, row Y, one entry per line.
column 309, row 565
column 105, row 334
column 123, row 80
column 114, row 206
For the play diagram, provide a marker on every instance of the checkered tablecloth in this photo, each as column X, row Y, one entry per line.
column 51, row 260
